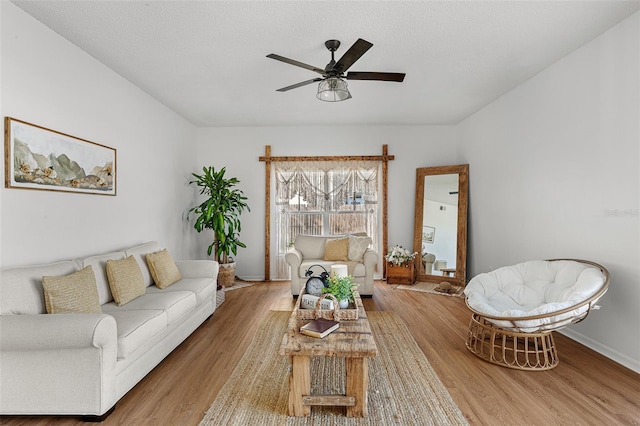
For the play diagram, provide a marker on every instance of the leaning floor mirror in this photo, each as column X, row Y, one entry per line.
column 440, row 226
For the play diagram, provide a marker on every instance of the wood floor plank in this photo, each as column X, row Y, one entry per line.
column 585, row 389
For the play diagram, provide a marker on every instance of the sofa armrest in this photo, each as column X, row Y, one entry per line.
column 62, row 364
column 198, row 268
column 293, row 258
column 48, row 332
column 370, row 259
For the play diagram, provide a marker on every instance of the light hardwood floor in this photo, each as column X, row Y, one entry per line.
column 585, row 389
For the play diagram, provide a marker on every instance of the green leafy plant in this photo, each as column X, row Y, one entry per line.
column 220, row 212
column 341, row 287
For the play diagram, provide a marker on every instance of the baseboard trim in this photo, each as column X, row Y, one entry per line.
column 612, row 354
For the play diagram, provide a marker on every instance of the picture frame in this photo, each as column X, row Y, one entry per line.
column 44, row 159
column 428, row 234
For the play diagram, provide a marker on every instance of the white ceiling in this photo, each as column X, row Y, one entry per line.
column 206, row 59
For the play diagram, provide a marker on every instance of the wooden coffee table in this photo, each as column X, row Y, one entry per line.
column 352, row 341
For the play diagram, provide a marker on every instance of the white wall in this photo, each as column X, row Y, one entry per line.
column 554, row 173
column 445, row 238
column 238, row 149
column 48, row 81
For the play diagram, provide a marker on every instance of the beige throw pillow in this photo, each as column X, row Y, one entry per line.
column 357, row 247
column 125, row 280
column 163, row 269
column 336, row 249
column 73, row 293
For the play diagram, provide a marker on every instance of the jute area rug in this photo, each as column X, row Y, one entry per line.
column 431, row 288
column 403, row 388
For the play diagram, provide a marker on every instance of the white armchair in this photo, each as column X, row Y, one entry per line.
column 309, row 250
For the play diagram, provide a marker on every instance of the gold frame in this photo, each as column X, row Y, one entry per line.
column 462, row 171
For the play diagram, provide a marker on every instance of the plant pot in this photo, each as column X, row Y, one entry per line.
column 344, row 304
column 227, row 274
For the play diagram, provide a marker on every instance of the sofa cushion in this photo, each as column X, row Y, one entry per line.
column 136, row 327
column 175, row 303
column 201, row 287
column 357, row 246
column 162, row 268
column 336, row 249
column 125, row 280
column 139, row 253
column 73, row 293
column 21, row 291
column 99, row 264
column 311, row 246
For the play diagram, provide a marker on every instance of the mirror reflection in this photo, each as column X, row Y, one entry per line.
column 440, row 228
column 440, row 224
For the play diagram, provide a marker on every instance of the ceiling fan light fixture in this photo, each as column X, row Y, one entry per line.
column 333, row 89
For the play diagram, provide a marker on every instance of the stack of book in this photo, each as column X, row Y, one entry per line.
column 319, row 327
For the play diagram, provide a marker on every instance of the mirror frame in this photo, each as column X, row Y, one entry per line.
column 462, row 170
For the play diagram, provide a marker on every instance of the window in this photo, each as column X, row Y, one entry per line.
column 324, row 198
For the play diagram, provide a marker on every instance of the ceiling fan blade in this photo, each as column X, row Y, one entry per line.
column 296, row 63
column 352, row 55
column 295, row 86
column 381, row 76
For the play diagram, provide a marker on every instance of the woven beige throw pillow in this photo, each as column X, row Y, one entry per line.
column 125, row 280
column 73, row 293
column 163, row 269
column 336, row 249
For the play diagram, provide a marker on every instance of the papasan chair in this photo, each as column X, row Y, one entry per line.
column 516, row 309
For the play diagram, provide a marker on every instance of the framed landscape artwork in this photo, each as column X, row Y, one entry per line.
column 40, row 158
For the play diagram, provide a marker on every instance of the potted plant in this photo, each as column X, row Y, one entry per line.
column 220, row 212
column 400, row 266
column 342, row 289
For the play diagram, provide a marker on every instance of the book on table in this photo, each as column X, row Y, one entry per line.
column 319, row 327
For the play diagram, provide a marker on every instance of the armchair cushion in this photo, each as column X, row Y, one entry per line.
column 73, row 293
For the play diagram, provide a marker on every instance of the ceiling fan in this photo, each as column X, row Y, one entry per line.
column 332, row 87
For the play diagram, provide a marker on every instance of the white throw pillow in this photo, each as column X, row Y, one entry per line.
column 357, row 247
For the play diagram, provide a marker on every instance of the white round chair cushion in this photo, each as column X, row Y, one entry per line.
column 534, row 288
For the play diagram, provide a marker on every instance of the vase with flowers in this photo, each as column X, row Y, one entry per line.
column 400, row 266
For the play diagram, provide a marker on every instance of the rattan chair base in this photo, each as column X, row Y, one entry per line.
column 512, row 349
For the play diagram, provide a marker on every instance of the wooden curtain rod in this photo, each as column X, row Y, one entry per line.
column 330, row 158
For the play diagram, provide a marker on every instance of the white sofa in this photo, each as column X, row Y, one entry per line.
column 82, row 364
column 309, row 250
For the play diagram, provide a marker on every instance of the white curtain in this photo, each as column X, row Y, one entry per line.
column 324, row 198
